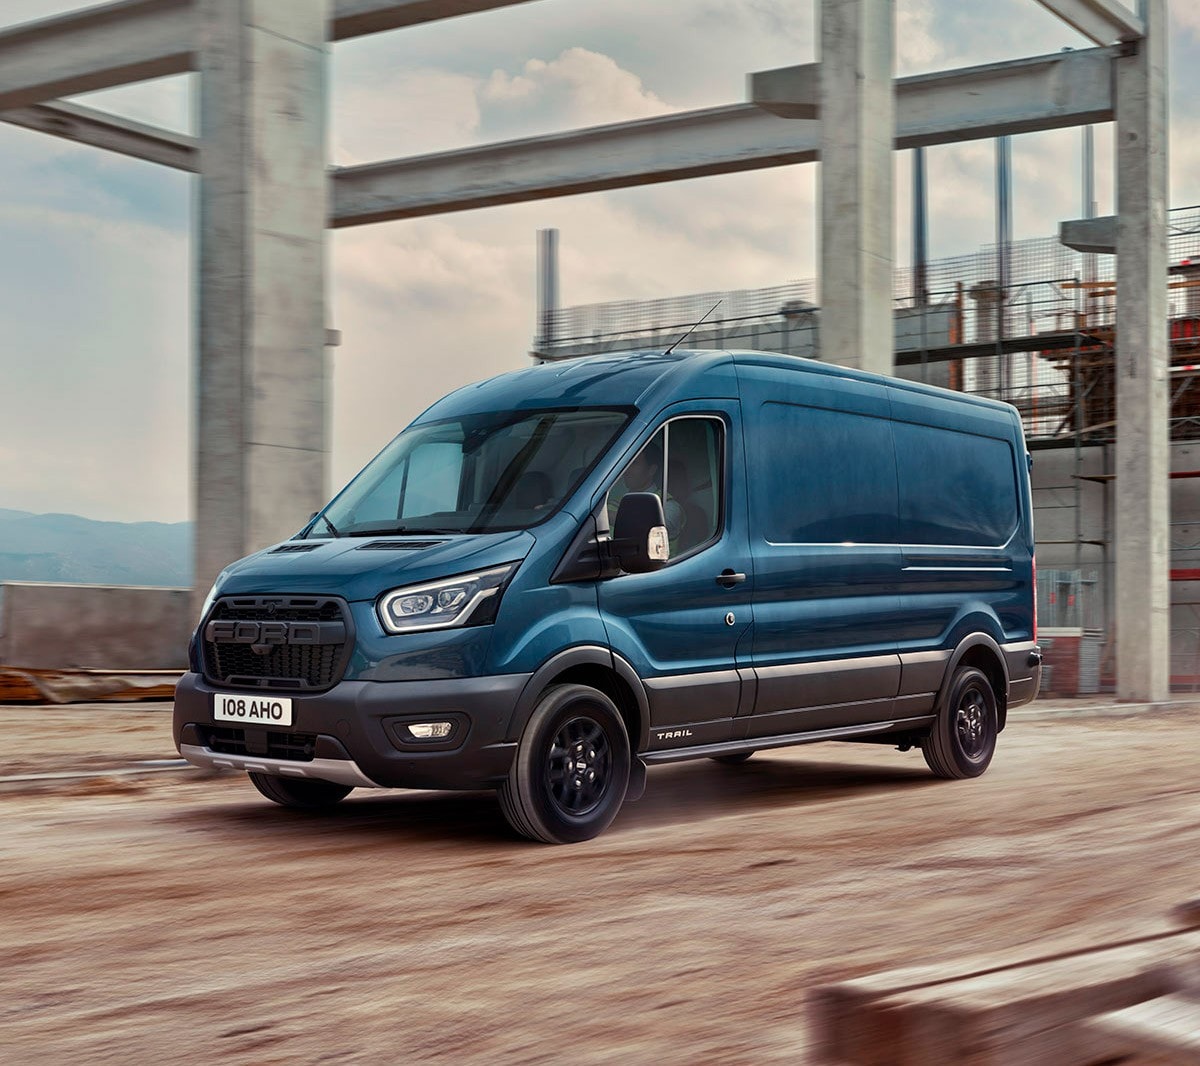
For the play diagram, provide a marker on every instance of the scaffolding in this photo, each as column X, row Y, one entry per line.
column 1044, row 342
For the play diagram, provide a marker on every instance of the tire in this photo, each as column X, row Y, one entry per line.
column 300, row 793
column 545, row 797
column 732, row 760
column 963, row 739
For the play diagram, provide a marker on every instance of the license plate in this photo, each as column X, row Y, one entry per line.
column 252, row 710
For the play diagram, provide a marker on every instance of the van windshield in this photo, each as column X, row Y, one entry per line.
column 476, row 474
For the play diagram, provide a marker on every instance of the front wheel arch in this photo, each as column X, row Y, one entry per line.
column 598, row 667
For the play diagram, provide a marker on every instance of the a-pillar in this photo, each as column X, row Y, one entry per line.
column 857, row 224
column 261, row 447
column 1142, row 500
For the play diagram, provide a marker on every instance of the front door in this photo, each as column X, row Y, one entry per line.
column 682, row 627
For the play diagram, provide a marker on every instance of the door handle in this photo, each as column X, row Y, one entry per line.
column 728, row 578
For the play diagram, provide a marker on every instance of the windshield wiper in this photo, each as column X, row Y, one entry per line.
column 391, row 530
column 332, row 528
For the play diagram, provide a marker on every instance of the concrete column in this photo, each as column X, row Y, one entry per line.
column 261, row 437
column 1142, row 501
column 547, row 288
column 857, row 224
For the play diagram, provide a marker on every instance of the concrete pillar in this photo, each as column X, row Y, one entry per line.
column 261, row 437
column 547, row 289
column 1142, row 501
column 857, row 224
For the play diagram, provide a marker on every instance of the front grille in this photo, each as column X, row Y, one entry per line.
column 296, row 747
column 277, row 664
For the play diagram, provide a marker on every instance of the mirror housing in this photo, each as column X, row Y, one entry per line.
column 640, row 541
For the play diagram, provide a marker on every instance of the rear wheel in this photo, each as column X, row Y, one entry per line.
column 963, row 740
column 571, row 770
column 301, row 793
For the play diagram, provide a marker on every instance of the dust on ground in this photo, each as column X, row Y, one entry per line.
column 184, row 918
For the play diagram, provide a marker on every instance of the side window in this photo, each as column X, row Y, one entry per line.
column 822, row 477
column 955, row 488
column 683, row 463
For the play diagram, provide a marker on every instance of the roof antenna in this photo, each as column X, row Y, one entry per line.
column 689, row 332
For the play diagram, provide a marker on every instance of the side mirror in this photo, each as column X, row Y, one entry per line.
column 640, row 533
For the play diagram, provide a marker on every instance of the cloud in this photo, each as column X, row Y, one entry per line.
column 578, row 88
column 402, row 113
column 1186, row 16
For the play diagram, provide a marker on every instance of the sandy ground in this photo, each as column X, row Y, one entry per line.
column 183, row 918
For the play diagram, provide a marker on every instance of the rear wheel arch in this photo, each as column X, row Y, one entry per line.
column 982, row 652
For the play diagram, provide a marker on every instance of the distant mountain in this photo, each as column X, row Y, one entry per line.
column 67, row 548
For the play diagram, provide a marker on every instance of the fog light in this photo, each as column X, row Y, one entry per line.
column 430, row 730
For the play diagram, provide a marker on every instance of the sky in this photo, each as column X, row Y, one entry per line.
column 96, row 256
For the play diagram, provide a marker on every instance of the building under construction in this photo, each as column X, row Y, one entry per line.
column 1043, row 342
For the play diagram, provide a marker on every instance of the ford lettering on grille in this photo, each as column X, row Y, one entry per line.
column 268, row 634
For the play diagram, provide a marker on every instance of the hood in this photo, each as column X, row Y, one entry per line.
column 360, row 568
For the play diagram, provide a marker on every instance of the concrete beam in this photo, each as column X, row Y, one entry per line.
column 1090, row 235
column 85, row 125
column 1051, row 92
column 1142, row 503
column 999, row 99
column 789, row 92
column 1101, row 21
column 858, row 105
column 95, row 48
column 261, row 430
column 355, row 18
column 134, row 40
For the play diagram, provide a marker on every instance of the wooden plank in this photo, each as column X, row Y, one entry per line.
column 973, row 1011
column 1168, row 1026
column 73, row 686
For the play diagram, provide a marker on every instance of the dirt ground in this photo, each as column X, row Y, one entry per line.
column 181, row 917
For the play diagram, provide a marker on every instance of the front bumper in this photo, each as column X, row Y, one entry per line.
column 358, row 736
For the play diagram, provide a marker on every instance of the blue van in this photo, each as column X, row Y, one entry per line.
column 559, row 577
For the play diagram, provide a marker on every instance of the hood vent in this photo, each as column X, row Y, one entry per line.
column 293, row 547
column 398, row 545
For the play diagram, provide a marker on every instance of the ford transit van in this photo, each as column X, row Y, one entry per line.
column 559, row 577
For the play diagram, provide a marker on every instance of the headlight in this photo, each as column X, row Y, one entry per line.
column 443, row 604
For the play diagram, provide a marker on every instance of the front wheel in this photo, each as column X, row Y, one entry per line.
column 571, row 770
column 301, row 793
column 963, row 739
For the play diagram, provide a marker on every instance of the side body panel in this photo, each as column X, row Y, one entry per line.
column 966, row 535
column 822, row 487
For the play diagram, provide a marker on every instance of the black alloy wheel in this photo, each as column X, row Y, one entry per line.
column 963, row 739
column 580, row 766
column 571, row 769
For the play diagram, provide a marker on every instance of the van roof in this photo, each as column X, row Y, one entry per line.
column 618, row 379
column 624, row 379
